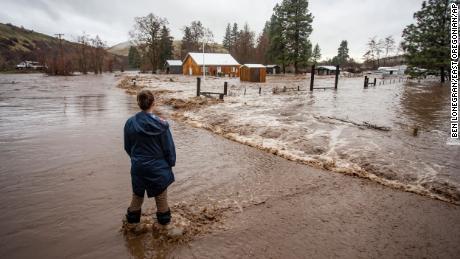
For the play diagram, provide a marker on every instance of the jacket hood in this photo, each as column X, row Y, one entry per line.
column 149, row 124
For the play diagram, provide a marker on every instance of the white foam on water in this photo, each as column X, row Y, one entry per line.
column 302, row 127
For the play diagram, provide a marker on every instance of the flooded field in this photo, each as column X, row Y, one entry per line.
column 365, row 132
column 65, row 183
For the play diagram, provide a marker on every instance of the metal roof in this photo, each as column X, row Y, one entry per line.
column 327, row 67
column 174, row 62
column 217, row 59
column 254, row 65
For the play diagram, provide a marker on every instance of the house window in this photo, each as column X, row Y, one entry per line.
column 233, row 69
column 219, row 69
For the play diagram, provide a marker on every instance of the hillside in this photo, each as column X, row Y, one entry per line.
column 18, row 44
column 122, row 49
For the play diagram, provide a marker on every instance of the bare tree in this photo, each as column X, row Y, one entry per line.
column 374, row 50
column 97, row 55
column 84, row 50
column 389, row 45
column 147, row 36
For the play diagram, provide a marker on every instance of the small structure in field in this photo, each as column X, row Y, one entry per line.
column 173, row 67
column 253, row 73
column 325, row 70
column 273, row 69
column 396, row 70
column 30, row 65
column 215, row 64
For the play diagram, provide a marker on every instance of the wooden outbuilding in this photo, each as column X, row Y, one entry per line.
column 273, row 69
column 326, row 70
column 215, row 64
column 173, row 67
column 253, row 73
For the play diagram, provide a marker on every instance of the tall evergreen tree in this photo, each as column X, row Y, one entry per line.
column 427, row 41
column 166, row 46
column 297, row 30
column 227, row 42
column 234, row 39
column 277, row 51
column 316, row 56
column 134, row 59
column 342, row 53
column 245, row 43
column 187, row 42
column 193, row 38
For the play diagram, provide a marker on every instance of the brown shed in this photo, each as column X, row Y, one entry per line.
column 253, row 73
column 215, row 64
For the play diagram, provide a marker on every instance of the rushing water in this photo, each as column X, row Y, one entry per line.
column 340, row 130
column 64, row 177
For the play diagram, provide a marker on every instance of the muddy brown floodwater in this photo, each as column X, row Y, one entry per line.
column 65, row 186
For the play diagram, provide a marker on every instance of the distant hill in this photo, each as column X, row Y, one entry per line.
column 18, row 44
column 122, row 49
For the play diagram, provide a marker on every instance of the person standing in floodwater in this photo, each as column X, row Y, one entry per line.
column 149, row 143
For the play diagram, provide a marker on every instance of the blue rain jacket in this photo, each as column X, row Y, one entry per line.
column 149, row 143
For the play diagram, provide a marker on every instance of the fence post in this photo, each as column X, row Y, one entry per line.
column 365, row 82
column 337, row 72
column 298, row 88
column 375, row 81
column 312, row 78
column 198, row 86
column 225, row 88
column 260, row 90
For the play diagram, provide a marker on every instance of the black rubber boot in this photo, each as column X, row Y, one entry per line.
column 164, row 218
column 133, row 216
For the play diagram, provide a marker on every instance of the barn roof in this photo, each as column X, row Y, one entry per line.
column 254, row 65
column 221, row 59
column 174, row 62
column 332, row 68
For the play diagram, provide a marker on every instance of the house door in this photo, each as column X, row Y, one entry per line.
column 255, row 75
column 190, row 72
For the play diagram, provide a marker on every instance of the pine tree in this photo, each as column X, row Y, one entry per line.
column 193, row 38
column 227, row 42
column 134, row 59
column 316, row 54
column 427, row 41
column 187, row 42
column 342, row 53
column 166, row 46
column 277, row 51
column 245, row 43
column 297, row 29
column 234, row 39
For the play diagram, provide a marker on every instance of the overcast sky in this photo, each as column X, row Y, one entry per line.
column 334, row 20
